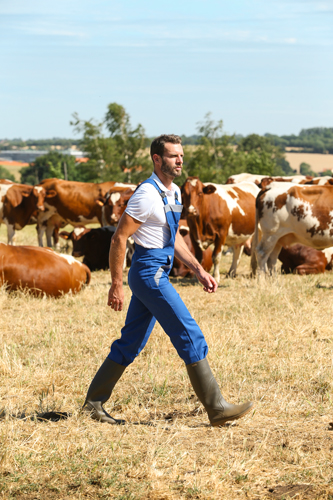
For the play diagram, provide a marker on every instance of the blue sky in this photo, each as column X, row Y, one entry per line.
column 260, row 66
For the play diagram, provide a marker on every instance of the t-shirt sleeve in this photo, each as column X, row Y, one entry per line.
column 141, row 204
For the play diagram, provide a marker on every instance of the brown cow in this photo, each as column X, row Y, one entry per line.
column 115, row 204
column 41, row 270
column 219, row 215
column 70, row 202
column 17, row 204
column 288, row 214
column 178, row 268
column 300, row 259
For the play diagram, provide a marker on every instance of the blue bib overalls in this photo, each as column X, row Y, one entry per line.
column 154, row 298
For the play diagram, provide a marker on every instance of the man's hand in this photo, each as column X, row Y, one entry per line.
column 116, row 296
column 207, row 281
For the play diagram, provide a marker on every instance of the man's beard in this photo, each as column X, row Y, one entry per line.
column 169, row 171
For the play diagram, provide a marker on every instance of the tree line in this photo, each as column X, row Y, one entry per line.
column 116, row 150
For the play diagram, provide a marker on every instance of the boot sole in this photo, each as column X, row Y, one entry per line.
column 229, row 419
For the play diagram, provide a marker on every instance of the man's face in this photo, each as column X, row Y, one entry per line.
column 172, row 160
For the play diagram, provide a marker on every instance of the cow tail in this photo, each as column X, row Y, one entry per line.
column 255, row 242
column 88, row 274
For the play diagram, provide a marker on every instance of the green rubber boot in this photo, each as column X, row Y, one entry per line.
column 100, row 391
column 208, row 392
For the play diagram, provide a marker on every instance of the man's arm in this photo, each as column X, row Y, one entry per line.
column 182, row 252
column 126, row 227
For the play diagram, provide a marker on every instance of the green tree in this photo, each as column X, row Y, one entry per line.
column 53, row 164
column 120, row 155
column 305, row 169
column 5, row 174
column 217, row 157
column 326, row 173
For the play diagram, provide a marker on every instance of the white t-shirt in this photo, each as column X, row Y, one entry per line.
column 146, row 205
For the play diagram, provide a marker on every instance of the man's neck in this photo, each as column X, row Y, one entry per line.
column 166, row 181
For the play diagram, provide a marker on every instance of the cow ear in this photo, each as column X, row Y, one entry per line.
column 14, row 196
column 100, row 203
column 26, row 193
column 265, row 182
column 50, row 193
column 64, row 235
column 183, row 230
column 209, row 189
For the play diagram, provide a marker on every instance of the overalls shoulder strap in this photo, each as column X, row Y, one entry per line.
column 177, row 208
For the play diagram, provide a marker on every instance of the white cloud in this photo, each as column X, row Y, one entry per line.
column 290, row 40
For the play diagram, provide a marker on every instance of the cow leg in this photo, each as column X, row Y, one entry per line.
column 272, row 259
column 216, row 258
column 55, row 235
column 263, row 251
column 49, row 234
column 40, row 233
column 237, row 251
column 10, row 234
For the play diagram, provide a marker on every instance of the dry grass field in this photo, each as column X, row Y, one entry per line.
column 270, row 341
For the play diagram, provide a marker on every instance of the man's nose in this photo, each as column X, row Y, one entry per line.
column 180, row 159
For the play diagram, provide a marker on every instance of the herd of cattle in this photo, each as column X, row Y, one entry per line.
column 290, row 218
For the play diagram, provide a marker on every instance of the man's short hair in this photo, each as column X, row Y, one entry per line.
column 157, row 146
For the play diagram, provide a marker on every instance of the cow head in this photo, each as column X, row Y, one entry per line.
column 39, row 193
column 193, row 191
column 115, row 205
column 76, row 237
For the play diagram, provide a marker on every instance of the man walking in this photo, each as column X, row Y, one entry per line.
column 152, row 217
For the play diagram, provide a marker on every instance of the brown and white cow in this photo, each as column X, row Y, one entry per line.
column 115, row 204
column 296, row 179
column 289, row 214
column 70, row 202
column 218, row 215
column 258, row 179
column 17, row 204
column 179, row 269
column 41, row 270
column 326, row 180
column 300, row 259
column 235, row 179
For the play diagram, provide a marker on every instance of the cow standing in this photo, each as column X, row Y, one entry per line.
column 258, row 179
column 69, row 202
column 17, row 204
column 219, row 215
column 41, row 270
column 289, row 214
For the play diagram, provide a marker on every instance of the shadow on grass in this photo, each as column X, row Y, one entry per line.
column 47, row 416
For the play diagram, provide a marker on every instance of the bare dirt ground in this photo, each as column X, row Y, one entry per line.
column 270, row 341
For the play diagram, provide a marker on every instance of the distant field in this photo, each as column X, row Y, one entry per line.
column 14, row 168
column 318, row 162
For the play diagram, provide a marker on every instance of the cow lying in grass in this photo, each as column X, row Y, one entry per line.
column 300, row 259
column 41, row 271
